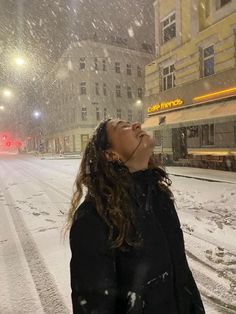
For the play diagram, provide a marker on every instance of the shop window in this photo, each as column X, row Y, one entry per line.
column 129, row 92
column 82, row 64
column 157, row 137
column 117, row 67
column 207, row 134
column 130, row 115
column 208, row 61
column 168, row 27
column 118, row 91
column 84, row 115
column 105, row 89
column 193, row 131
column 83, row 90
column 118, row 113
column 168, row 74
column 221, row 3
column 129, row 69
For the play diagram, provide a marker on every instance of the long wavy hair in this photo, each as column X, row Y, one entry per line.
column 109, row 185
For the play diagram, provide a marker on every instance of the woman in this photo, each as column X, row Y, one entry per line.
column 127, row 245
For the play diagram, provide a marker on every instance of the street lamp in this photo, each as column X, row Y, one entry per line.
column 2, row 108
column 36, row 114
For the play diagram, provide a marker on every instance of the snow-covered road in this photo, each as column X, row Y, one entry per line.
column 34, row 257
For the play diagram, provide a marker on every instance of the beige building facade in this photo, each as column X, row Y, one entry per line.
column 91, row 81
column 191, row 84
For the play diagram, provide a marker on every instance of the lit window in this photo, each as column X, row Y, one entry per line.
column 157, row 137
column 208, row 61
column 83, row 88
column 168, row 26
column 168, row 77
column 118, row 91
column 84, row 114
column 82, row 64
column 129, row 70
column 96, row 88
column 118, row 113
column 208, row 134
column 130, row 115
column 117, row 67
column 105, row 89
column 129, row 92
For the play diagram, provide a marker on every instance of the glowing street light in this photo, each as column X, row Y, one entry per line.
column 7, row 93
column 2, row 108
column 36, row 114
column 19, row 61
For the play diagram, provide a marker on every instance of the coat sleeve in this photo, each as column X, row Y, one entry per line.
column 187, row 293
column 92, row 267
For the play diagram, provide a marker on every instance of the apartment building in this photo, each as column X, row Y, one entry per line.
column 191, row 84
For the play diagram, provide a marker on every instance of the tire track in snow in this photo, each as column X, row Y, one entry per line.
column 50, row 298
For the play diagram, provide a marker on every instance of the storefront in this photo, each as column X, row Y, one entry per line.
column 203, row 128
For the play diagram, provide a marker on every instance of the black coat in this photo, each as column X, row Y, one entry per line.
column 152, row 279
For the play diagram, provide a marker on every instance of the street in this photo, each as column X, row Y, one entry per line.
column 34, row 257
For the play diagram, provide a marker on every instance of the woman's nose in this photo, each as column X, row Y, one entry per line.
column 136, row 125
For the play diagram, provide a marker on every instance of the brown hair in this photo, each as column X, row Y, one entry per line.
column 110, row 187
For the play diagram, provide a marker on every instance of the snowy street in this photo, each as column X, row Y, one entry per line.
column 34, row 258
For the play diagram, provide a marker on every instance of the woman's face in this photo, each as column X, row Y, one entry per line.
column 125, row 137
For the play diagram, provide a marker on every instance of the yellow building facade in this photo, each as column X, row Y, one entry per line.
column 191, row 85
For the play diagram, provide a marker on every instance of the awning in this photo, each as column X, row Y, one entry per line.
column 194, row 114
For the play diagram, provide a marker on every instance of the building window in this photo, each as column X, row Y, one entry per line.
column 129, row 92
column 118, row 113
column 118, row 91
column 104, row 65
column 96, row 88
column 97, row 113
column 83, row 90
column 82, row 63
column 105, row 89
column 221, row 3
column 129, row 69
column 140, row 93
column 117, row 67
column 157, row 137
column 207, row 134
column 84, row 114
column 168, row 26
column 95, row 64
column 139, row 72
column 168, row 77
column 208, row 61
column 105, row 113
column 130, row 115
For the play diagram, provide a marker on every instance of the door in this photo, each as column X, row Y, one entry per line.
column 179, row 143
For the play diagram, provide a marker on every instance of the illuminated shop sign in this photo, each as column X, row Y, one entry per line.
column 165, row 105
column 215, row 95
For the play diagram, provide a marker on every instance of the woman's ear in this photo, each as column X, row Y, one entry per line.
column 111, row 155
